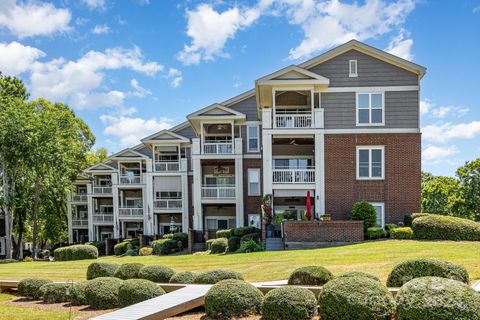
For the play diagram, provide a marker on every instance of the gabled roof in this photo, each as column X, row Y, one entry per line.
column 100, row 167
column 216, row 110
column 128, row 153
column 165, row 136
column 291, row 75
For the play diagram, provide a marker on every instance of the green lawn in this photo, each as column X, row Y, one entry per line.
column 9, row 311
column 377, row 258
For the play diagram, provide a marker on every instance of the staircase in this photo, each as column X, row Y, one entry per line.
column 274, row 244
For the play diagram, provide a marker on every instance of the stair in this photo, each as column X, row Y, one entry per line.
column 274, row 244
column 198, row 247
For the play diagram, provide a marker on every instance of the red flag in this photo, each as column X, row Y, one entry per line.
column 308, row 214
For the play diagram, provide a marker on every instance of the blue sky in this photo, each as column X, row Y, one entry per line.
column 133, row 67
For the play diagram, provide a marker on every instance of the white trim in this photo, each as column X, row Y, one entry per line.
column 352, row 74
column 175, row 137
column 248, row 138
column 200, row 114
column 371, row 131
column 259, row 178
column 314, row 77
column 118, row 154
column 242, row 96
column 382, row 205
column 252, row 156
column 368, row 89
column 357, row 164
column 370, row 123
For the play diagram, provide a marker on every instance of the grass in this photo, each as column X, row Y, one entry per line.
column 376, row 257
column 10, row 311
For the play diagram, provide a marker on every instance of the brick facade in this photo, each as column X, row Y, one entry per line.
column 400, row 190
column 323, row 231
column 251, row 204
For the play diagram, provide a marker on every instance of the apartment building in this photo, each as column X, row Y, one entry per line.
column 341, row 127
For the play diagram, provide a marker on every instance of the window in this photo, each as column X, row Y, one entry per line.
column 213, row 181
column 134, row 202
column 253, row 182
column 252, row 137
column 353, row 68
column 220, row 223
column 370, row 109
column 380, row 210
column 370, row 163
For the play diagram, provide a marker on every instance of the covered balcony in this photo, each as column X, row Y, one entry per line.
column 79, row 216
column 169, row 159
column 101, row 185
column 218, row 180
column 103, row 211
column 167, row 194
column 131, row 173
column 130, row 204
column 293, row 161
column 79, row 194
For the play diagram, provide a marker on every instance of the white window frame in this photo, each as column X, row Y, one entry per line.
column 352, row 74
column 216, row 218
column 259, row 178
column 370, row 148
column 369, row 109
column 248, row 138
column 382, row 205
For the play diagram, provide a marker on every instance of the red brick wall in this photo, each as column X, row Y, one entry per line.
column 323, row 231
column 400, row 190
column 251, row 204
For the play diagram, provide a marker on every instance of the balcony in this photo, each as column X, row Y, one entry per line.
column 130, row 212
column 103, row 218
column 293, row 121
column 102, row 190
column 294, row 176
column 225, row 192
column 126, row 179
column 218, row 147
column 78, row 198
column 80, row 223
column 167, row 166
column 167, row 204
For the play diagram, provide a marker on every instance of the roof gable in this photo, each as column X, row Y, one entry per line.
column 216, row 110
column 100, row 167
column 128, row 153
column 292, row 74
column 165, row 136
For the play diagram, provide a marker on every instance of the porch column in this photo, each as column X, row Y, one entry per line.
column 239, row 192
column 185, row 220
column 91, row 211
column 267, row 163
column 197, row 194
column 319, row 173
column 115, row 192
column 147, row 195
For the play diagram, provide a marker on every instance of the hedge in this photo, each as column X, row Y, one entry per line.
column 240, row 232
column 137, row 290
column 102, row 293
column 289, row 303
column 128, row 271
column 145, row 251
column 214, row 276
column 376, row 233
column 208, row 244
column 437, row 227
column 77, row 296
column 233, row 243
column 156, row 273
column 100, row 245
column 219, row 245
column 358, row 274
column 164, row 246
column 411, row 269
column 250, row 237
column 310, row 276
column 366, row 212
column 76, row 252
column 120, row 248
column 56, row 292
column 355, row 298
column 223, row 233
column 232, row 298
column 433, row 298
column 178, row 236
column 185, row 277
column 250, row 246
column 401, row 233
column 5, row 261
column 30, row 287
column 101, row 269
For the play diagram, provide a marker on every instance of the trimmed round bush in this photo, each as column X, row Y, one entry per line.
column 77, row 296
column 232, row 298
column 137, row 290
column 437, row 227
column 120, row 248
column 185, row 277
column 310, row 276
column 76, row 252
column 145, row 251
column 128, row 271
column 433, row 298
column 155, row 273
column 102, row 293
column 366, row 212
column 358, row 274
column 411, row 269
column 223, row 233
column 30, row 287
column 233, row 243
column 101, row 269
column 401, row 233
column 56, row 292
column 355, row 298
column 219, row 245
column 214, row 276
column 289, row 303
column 164, row 246
column 376, row 233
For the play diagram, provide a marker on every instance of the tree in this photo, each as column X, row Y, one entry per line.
column 442, row 195
column 469, row 177
column 96, row 156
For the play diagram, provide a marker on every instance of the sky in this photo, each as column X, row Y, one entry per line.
column 133, row 67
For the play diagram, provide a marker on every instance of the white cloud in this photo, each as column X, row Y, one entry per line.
column 16, row 58
column 425, row 106
column 95, row 4
column 139, row 90
column 101, row 29
column 401, row 45
column 444, row 132
column 33, row 18
column 143, row 2
column 476, row 9
column 442, row 112
column 175, row 77
column 434, row 154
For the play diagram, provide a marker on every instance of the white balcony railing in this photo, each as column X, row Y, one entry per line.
column 102, row 218
column 78, row 198
column 102, row 190
column 294, row 175
column 218, row 192
column 167, row 204
column 293, row 120
column 130, row 179
column 80, row 223
column 218, row 147
column 130, row 212
column 167, row 166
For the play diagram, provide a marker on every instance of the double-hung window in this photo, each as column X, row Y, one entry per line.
column 252, row 137
column 253, row 182
column 370, row 163
column 370, row 109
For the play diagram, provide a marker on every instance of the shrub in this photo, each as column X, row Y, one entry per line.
column 208, row 244
column 407, row 220
column 164, row 246
column 401, row 233
column 131, row 250
column 432, row 298
column 376, row 233
column 366, row 212
column 219, row 245
column 76, row 252
column 128, row 271
column 355, row 298
column 120, row 248
column 310, row 276
column 77, row 296
column 233, row 243
column 43, row 254
column 178, row 236
column 289, row 303
column 101, row 269
column 56, row 292
column 250, row 237
column 232, row 298
column 185, row 277
column 436, row 227
column 137, row 290
column 155, row 273
column 102, row 293
column 145, row 251
column 240, row 232
column 250, row 246
column 100, row 245
column 5, row 261
column 214, row 276
column 30, row 287
column 389, row 227
column 358, row 274
column 223, row 233
column 411, row 269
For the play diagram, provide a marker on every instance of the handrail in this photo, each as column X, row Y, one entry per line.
column 293, row 120
column 293, row 175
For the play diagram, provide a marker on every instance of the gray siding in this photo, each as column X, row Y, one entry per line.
column 371, row 72
column 402, row 109
column 187, row 132
column 146, row 151
column 245, row 141
column 247, row 107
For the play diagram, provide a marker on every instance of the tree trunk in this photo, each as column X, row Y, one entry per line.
column 36, row 205
column 8, row 213
column 18, row 250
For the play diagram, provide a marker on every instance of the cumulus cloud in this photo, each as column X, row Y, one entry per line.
column 401, row 45
column 139, row 90
column 444, row 132
column 95, row 4
column 435, row 153
column 16, row 58
column 33, row 18
column 175, row 77
column 425, row 106
column 101, row 29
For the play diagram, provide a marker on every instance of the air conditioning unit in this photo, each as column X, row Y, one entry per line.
column 221, row 170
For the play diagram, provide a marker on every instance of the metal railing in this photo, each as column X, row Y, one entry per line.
column 79, row 223
column 103, row 218
column 218, row 147
column 166, row 204
column 294, row 175
column 293, row 121
column 166, row 166
column 218, row 192
column 78, row 198
column 130, row 212
column 102, row 190
column 130, row 179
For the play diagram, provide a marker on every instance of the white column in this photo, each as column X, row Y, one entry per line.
column 185, row 219
column 115, row 191
column 267, row 163
column 320, row 173
column 148, row 193
column 91, row 211
column 69, row 216
column 239, row 192
column 197, row 194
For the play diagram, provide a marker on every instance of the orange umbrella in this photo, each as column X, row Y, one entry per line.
column 308, row 214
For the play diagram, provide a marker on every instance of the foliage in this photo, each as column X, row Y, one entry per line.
column 120, row 248
column 240, row 232
column 100, row 245
column 164, row 246
column 366, row 212
column 137, row 290
column 214, row 276
column 223, row 233
column 355, row 298
column 358, row 274
column 56, row 292
column 128, row 270
column 178, row 236
column 208, row 244
column 442, row 195
column 411, row 269
column 232, row 298
column 389, row 227
column 219, row 245
column 5, row 261
column 432, row 298
column 76, row 252
column 401, row 233
column 250, row 237
column 289, row 303
column 77, row 296
column 250, row 246
column 102, row 293
column 156, row 273
column 145, row 251
column 469, row 177
column 94, row 157
column 376, row 233
column 436, row 227
column 310, row 276
column 30, row 287
column 101, row 269
column 233, row 243
column 185, row 277
column 407, row 220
